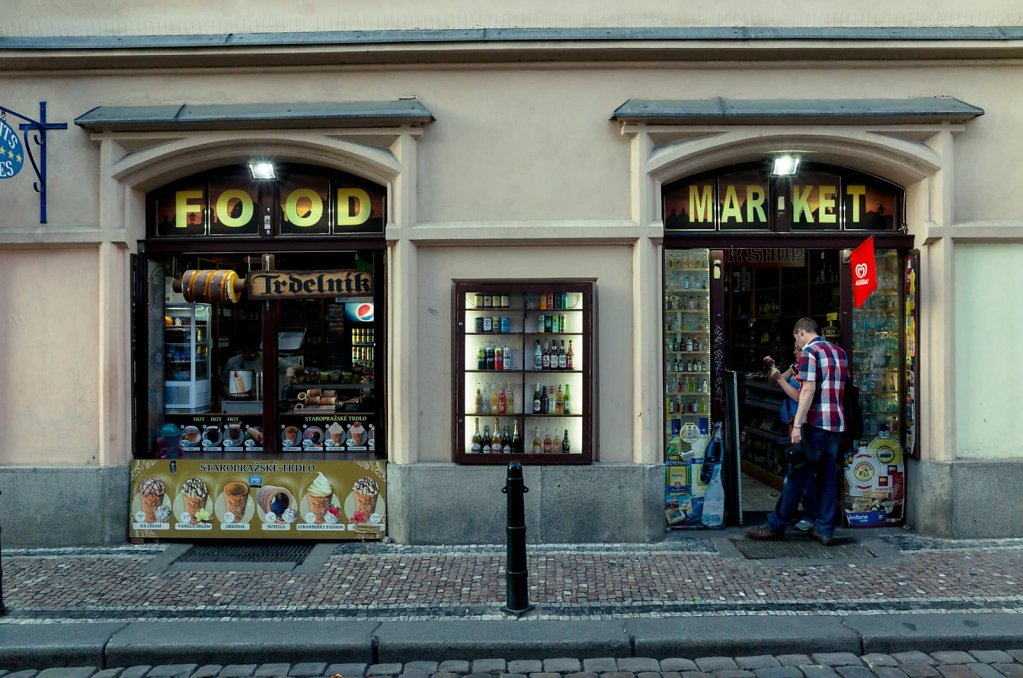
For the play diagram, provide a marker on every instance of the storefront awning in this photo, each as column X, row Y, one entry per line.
column 402, row 112
column 723, row 111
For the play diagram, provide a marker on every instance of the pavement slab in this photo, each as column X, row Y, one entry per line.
column 208, row 671
column 779, row 672
column 272, row 670
column 172, row 671
column 889, row 672
column 525, row 666
column 1009, row 670
column 875, row 659
column 346, row 670
column 710, row 664
column 454, row 666
column 678, row 665
column 68, row 672
column 639, row 664
column 984, row 670
column 953, row 657
column 562, row 665
column 836, row 659
column 238, row 670
column 918, row 669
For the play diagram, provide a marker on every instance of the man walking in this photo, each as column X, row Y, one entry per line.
column 818, row 425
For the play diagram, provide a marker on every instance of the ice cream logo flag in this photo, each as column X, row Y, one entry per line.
column 864, row 271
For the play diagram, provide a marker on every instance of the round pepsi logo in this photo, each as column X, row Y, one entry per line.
column 364, row 312
column 12, row 151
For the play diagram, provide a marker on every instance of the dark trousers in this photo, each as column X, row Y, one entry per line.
column 819, row 473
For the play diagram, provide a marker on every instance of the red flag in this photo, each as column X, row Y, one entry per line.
column 864, row 271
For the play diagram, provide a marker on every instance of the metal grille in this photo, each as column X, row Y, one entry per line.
column 803, row 548
column 246, row 553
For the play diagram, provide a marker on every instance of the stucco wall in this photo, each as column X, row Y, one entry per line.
column 49, row 358
column 988, row 372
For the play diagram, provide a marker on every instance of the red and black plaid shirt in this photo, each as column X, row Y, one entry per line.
column 826, row 365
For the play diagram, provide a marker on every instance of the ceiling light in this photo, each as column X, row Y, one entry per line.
column 262, row 170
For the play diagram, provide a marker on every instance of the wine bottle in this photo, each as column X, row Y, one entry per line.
column 537, row 444
column 477, row 441
column 565, row 448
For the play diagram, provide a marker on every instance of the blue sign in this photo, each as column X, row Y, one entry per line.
column 12, row 152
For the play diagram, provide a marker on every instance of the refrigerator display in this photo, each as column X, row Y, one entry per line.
column 186, row 344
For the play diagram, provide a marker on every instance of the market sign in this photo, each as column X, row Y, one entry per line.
column 308, row 284
column 12, row 152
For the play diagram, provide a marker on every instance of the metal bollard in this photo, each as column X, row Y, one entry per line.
column 3, row 610
column 517, row 574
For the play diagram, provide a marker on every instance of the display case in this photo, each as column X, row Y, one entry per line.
column 763, row 434
column 186, row 345
column 523, row 363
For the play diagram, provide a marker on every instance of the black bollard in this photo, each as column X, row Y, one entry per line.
column 3, row 610
column 517, row 574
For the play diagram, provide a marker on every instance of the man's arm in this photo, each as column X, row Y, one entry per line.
column 805, row 399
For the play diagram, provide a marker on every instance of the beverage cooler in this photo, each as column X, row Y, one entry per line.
column 186, row 345
column 884, row 344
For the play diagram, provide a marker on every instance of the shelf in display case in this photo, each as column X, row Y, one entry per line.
column 572, row 310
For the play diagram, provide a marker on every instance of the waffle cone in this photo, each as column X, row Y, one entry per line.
column 151, row 502
column 367, row 503
column 193, row 505
column 235, row 503
column 318, row 505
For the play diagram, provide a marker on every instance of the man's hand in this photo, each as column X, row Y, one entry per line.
column 774, row 374
column 797, row 435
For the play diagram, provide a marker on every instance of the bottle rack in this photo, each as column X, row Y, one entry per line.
column 186, row 343
column 687, row 351
column 497, row 327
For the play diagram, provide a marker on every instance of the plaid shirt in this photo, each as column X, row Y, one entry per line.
column 826, row 365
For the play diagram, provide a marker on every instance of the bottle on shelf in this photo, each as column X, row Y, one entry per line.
column 495, row 441
column 566, row 404
column 544, row 403
column 477, row 440
column 499, row 358
column 494, row 400
column 537, row 443
column 516, row 442
column 484, row 401
column 537, row 400
column 485, row 440
column 507, row 358
column 538, row 356
column 551, row 401
column 555, row 443
column 479, row 403
column 559, row 401
column 546, row 356
column 502, row 400
column 562, row 357
column 714, row 501
column 569, row 357
column 547, row 441
column 506, row 441
column 564, row 443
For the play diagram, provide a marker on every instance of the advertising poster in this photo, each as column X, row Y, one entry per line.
column 274, row 499
column 875, row 476
column 219, row 432
column 329, row 432
column 684, row 488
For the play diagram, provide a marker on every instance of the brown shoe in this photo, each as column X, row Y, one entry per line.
column 764, row 533
column 824, row 541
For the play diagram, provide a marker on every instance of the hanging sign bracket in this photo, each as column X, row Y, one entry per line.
column 14, row 150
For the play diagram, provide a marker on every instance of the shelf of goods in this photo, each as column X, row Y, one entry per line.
column 877, row 340
column 523, row 376
column 763, row 435
column 687, row 355
column 186, row 351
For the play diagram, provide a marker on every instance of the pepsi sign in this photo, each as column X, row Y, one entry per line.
column 12, row 152
column 359, row 312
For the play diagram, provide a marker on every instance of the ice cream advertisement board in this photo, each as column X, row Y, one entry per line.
column 257, row 499
column 874, row 483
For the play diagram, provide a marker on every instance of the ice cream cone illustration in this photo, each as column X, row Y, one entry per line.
column 318, row 494
column 236, row 494
column 337, row 434
column 194, row 494
column 273, row 499
column 366, row 494
column 151, row 492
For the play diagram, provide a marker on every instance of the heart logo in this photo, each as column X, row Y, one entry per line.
column 861, row 270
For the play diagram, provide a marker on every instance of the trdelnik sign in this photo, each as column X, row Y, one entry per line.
column 12, row 152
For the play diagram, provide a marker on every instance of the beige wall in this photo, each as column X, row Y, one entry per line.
column 988, row 370
column 49, row 381
column 50, row 17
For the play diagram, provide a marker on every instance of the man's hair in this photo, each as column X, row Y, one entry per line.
column 807, row 325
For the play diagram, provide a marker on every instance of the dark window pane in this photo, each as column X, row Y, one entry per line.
column 690, row 206
column 181, row 211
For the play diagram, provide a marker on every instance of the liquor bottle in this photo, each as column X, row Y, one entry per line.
column 502, row 401
column 544, row 403
column 559, row 402
column 506, row 441
column 547, row 441
column 485, row 440
column 488, row 324
column 494, row 396
column 516, row 442
column 569, row 357
column 565, row 449
column 545, row 358
column 555, row 444
column 552, row 401
column 538, row 356
column 537, row 401
column 495, row 442
column 561, row 322
column 537, row 444
column 485, row 401
column 562, row 357
column 567, row 401
column 477, row 441
column 479, row 403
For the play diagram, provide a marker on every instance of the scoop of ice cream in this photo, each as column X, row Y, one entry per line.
column 290, row 515
column 336, row 429
column 162, row 513
column 195, row 488
column 366, row 486
column 152, row 487
column 321, row 487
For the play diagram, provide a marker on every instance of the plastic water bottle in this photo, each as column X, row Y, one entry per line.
column 714, row 501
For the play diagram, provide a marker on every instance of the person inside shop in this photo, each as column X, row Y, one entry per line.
column 788, row 383
column 823, row 374
column 248, row 358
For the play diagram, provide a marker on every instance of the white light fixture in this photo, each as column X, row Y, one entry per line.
column 785, row 166
column 262, row 170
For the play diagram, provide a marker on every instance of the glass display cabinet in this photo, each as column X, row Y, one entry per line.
column 523, row 372
column 186, row 346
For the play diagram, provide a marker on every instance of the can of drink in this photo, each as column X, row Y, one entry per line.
column 479, row 324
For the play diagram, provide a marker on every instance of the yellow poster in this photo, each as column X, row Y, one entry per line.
column 273, row 499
